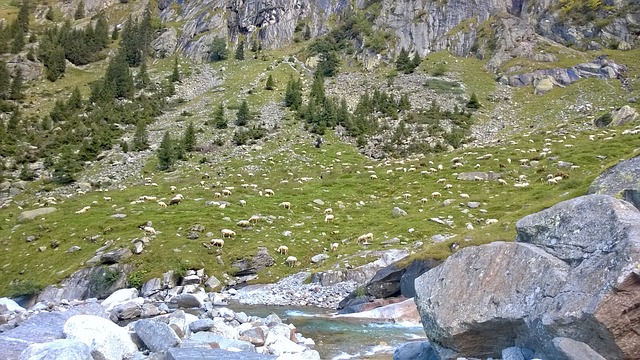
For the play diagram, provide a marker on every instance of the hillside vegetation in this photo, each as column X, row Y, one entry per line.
column 93, row 143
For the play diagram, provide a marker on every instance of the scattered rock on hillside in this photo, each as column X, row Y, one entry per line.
column 543, row 85
column 475, row 175
column 95, row 281
column 621, row 177
column 397, row 212
column 32, row 214
column 526, row 292
column 625, row 115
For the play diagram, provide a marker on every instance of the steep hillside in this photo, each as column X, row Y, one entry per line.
column 465, row 116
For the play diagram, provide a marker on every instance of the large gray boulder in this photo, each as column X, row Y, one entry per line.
column 413, row 271
column 58, row 349
column 97, row 281
column 32, row 214
column 624, row 115
column 106, row 339
column 623, row 177
column 573, row 271
column 203, row 353
column 156, row 335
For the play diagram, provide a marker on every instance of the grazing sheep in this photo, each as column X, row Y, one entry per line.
column 162, row 204
column 364, row 238
column 254, row 218
column 491, row 221
column 173, row 188
column 106, row 198
column 448, row 186
column 406, row 195
column 329, row 218
column 292, row 261
column 226, row 192
column 148, row 230
column 243, row 223
column 218, row 242
column 175, row 201
column 334, row 247
column 83, row 210
column 268, row 192
column 242, row 202
column 286, row 205
column 466, row 196
column 454, row 246
column 227, row 233
column 478, row 178
column 502, row 182
column 435, row 194
column 283, row 249
column 552, row 181
column 217, row 195
column 373, row 176
column 424, row 200
column 328, row 211
column 440, row 181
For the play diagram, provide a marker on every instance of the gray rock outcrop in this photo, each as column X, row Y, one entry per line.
column 58, row 349
column 571, row 271
column 98, row 281
column 156, row 335
column 32, row 214
column 623, row 178
column 624, row 115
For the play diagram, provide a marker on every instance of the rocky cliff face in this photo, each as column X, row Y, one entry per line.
column 572, row 273
column 490, row 28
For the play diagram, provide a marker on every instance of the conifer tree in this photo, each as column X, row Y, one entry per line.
column 142, row 78
column 5, row 38
column 14, row 122
column 79, row 14
column 243, row 116
column 18, row 41
column 101, row 32
column 15, row 92
column 22, row 20
column 115, row 33
column 404, row 104
column 75, row 100
column 317, row 88
column 307, row 32
column 5, row 80
column 189, row 138
column 255, row 46
column 473, row 102
column 165, row 152
column 218, row 50
column 270, row 85
column 240, row 51
column 218, row 118
column 416, row 61
column 175, row 75
column 293, row 94
column 403, row 60
column 141, row 137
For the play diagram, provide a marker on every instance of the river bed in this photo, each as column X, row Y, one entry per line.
column 341, row 338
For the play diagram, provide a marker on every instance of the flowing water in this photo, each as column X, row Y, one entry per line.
column 341, row 338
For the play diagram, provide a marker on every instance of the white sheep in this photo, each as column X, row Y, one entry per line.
column 226, row 192
column 243, row 223
column 373, row 176
column 292, row 261
column 478, row 178
column 283, row 249
column 218, row 242
column 329, row 218
column 286, row 205
column 406, row 195
column 173, row 188
column 435, row 194
column 466, row 196
column 83, row 210
column 106, row 198
column 227, row 233
column 424, row 200
column 334, row 247
column 254, row 219
column 217, row 194
column 242, row 202
column 502, row 182
column 268, row 192
column 552, row 181
column 328, row 211
column 491, row 221
column 440, row 181
column 162, row 204
column 448, row 186
column 148, row 230
column 365, row 237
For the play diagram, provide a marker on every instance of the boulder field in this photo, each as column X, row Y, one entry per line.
column 568, row 285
